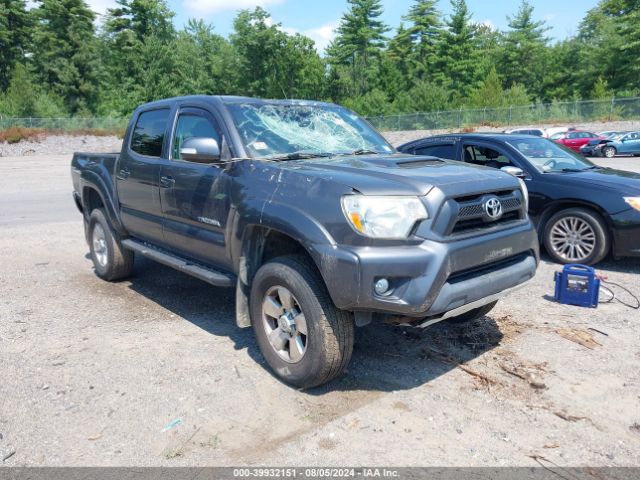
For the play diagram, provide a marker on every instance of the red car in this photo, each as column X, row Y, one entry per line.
column 575, row 139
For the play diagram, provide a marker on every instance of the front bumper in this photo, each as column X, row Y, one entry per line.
column 626, row 233
column 431, row 278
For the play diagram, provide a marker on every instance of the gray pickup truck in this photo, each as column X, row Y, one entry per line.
column 311, row 215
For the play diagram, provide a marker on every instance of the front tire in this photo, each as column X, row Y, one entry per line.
column 304, row 338
column 609, row 152
column 576, row 235
column 111, row 260
column 474, row 314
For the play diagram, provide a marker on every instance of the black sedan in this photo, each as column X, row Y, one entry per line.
column 582, row 211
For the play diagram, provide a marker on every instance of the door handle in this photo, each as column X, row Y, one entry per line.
column 167, row 182
column 124, row 173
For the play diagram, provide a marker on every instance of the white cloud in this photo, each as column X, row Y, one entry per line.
column 322, row 35
column 208, row 7
column 100, row 6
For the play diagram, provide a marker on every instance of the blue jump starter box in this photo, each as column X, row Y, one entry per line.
column 577, row 285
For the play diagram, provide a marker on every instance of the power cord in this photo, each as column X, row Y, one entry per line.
column 614, row 297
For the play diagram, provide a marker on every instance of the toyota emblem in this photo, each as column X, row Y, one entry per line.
column 493, row 208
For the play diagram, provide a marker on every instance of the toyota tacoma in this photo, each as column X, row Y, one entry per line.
column 316, row 221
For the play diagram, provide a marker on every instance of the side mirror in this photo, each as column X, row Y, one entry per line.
column 515, row 171
column 200, row 150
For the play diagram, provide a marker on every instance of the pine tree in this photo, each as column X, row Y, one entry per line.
column 459, row 61
column 14, row 33
column 359, row 42
column 424, row 32
column 65, row 57
column 523, row 53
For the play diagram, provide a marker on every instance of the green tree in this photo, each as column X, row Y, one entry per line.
column 65, row 52
column 14, row 34
column 490, row 93
column 273, row 63
column 359, row 42
column 523, row 50
column 25, row 98
column 424, row 32
column 459, row 62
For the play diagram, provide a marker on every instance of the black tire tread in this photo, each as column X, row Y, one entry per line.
column 337, row 324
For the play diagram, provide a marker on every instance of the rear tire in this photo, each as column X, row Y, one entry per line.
column 609, row 152
column 576, row 235
column 304, row 338
column 110, row 259
column 472, row 315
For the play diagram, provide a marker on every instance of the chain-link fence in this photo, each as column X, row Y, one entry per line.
column 540, row 113
column 64, row 124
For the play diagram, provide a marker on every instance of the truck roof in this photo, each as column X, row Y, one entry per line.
column 230, row 100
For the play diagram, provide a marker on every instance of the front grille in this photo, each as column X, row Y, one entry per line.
column 472, row 217
column 485, row 269
column 477, row 224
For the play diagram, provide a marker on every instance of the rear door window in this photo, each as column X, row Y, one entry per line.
column 440, row 151
column 148, row 134
column 485, row 156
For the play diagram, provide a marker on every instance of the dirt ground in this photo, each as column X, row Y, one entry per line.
column 153, row 371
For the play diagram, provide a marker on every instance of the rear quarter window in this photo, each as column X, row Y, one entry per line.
column 440, row 151
column 148, row 134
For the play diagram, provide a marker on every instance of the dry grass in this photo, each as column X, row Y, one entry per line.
column 17, row 134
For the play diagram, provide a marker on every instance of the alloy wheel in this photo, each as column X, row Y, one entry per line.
column 573, row 239
column 99, row 240
column 285, row 324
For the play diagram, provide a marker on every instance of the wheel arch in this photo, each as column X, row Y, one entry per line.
column 259, row 245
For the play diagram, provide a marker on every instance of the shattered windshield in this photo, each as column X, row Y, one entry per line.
column 294, row 130
column 549, row 157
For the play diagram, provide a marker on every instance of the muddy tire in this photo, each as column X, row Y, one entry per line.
column 111, row 261
column 304, row 338
column 576, row 235
column 473, row 314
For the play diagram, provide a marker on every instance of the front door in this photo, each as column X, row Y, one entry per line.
column 137, row 176
column 630, row 144
column 195, row 196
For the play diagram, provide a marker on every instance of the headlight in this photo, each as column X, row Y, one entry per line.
column 633, row 201
column 383, row 217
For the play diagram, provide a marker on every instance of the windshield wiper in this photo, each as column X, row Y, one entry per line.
column 361, row 151
column 300, row 156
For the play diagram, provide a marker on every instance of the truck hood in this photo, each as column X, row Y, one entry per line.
column 401, row 174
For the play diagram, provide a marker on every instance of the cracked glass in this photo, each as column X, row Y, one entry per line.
column 282, row 130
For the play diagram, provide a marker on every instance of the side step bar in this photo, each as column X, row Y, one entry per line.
column 208, row 275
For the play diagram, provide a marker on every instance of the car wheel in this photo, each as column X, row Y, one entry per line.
column 111, row 261
column 576, row 235
column 304, row 338
column 609, row 152
column 474, row 314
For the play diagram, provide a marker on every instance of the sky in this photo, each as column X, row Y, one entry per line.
column 319, row 18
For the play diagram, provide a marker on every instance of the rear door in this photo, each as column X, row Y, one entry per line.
column 195, row 196
column 138, row 172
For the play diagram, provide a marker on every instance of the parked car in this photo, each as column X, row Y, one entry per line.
column 588, row 150
column 551, row 131
column 623, row 144
column 318, row 223
column 536, row 132
column 582, row 211
column 576, row 139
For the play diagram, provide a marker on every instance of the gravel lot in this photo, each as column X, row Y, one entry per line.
column 96, row 373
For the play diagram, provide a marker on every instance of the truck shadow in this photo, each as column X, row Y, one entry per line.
column 385, row 358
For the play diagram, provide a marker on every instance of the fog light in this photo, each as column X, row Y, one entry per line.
column 382, row 286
